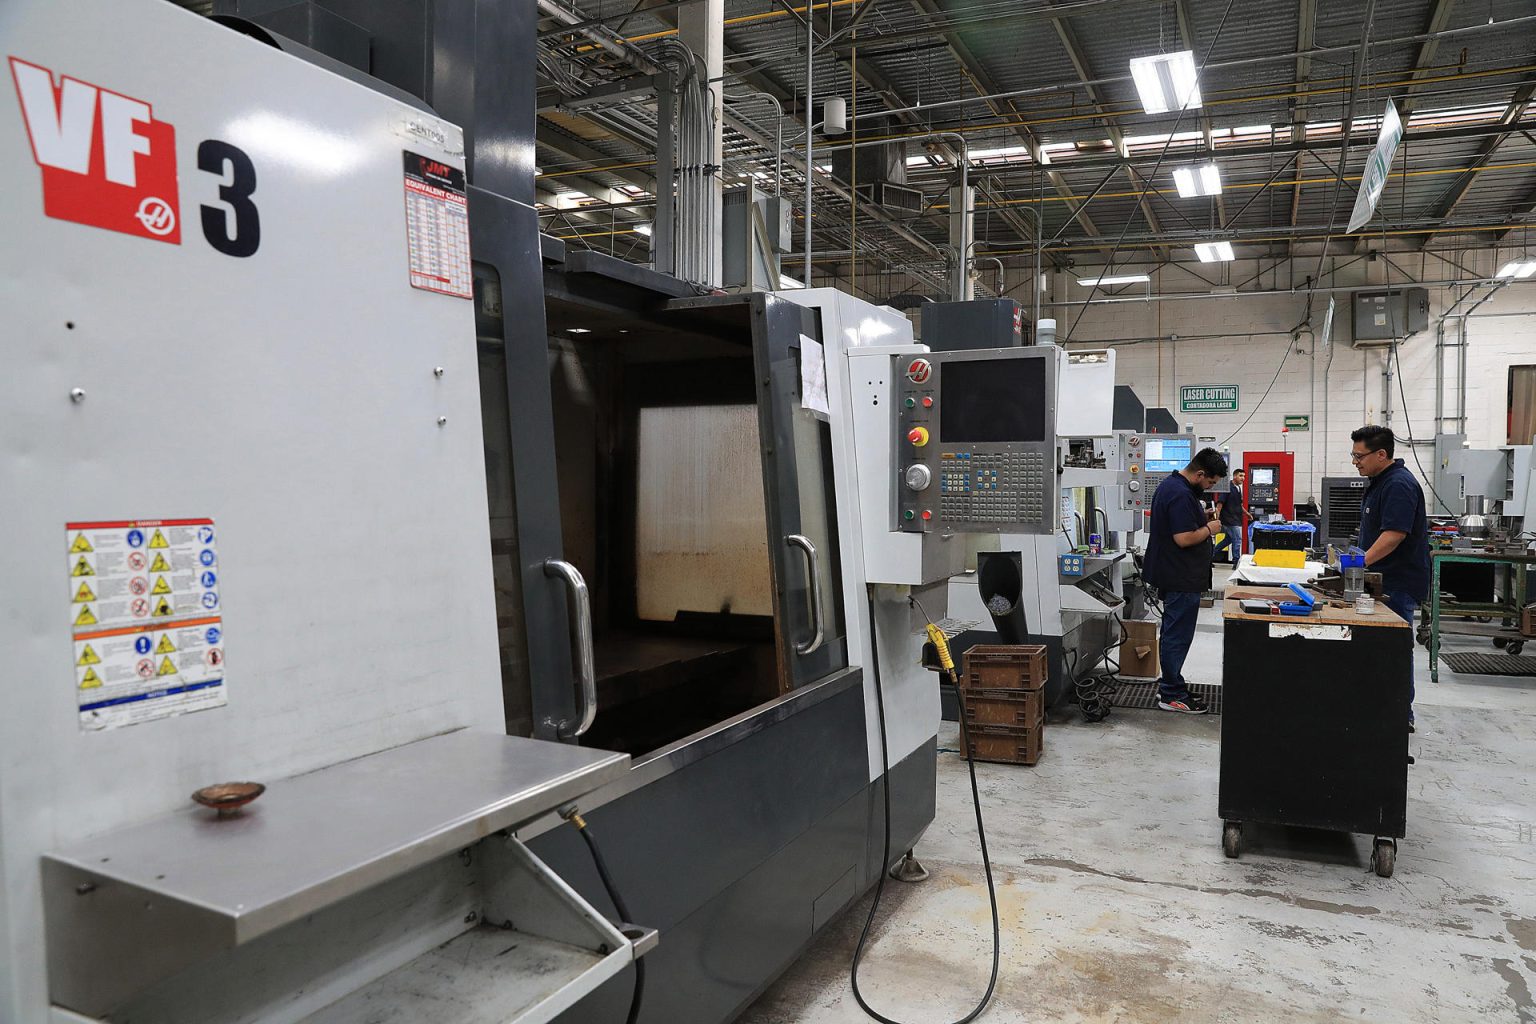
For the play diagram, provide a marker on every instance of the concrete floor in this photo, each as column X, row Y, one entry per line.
column 1118, row 904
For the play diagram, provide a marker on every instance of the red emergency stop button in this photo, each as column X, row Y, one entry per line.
column 927, row 514
column 918, row 436
column 928, row 403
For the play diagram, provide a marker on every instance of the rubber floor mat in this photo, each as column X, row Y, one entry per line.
column 1143, row 696
column 1473, row 663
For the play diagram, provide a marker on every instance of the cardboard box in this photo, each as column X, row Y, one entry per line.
column 1138, row 655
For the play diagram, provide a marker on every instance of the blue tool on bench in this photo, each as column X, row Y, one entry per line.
column 1304, row 607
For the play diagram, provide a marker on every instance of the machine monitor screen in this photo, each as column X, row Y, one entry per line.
column 992, row 400
column 1168, row 456
column 1263, row 476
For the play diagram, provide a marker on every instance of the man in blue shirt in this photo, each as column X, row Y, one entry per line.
column 1394, row 530
column 1178, row 564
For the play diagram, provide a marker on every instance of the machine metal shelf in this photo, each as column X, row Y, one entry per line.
column 309, row 843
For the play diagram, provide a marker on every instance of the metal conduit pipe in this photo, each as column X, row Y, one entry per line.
column 778, row 136
column 1001, row 273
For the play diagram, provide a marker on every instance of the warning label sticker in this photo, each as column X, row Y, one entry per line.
column 437, row 226
column 147, row 631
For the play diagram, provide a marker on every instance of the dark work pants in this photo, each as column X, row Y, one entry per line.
column 1180, row 609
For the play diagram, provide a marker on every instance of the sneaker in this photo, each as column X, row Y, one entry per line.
column 1189, row 704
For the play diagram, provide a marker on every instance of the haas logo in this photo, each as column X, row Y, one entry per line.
column 105, row 160
column 108, row 163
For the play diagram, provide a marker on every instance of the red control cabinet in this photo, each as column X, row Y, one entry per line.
column 1270, row 487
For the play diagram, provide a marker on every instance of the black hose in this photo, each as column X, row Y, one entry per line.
column 618, row 904
column 885, row 857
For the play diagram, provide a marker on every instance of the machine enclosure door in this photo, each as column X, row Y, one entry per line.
column 802, row 513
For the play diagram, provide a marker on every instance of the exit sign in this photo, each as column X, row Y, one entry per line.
column 1302, row 422
column 1208, row 398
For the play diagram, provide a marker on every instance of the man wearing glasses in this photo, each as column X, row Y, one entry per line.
column 1394, row 530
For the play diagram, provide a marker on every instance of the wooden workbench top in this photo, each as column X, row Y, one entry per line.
column 1321, row 615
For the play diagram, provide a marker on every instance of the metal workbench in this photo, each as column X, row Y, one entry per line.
column 1509, row 597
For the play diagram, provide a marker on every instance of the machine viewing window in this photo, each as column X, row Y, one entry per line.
column 1168, row 456
column 992, row 400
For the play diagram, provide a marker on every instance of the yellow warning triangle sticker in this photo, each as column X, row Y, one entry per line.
column 160, row 564
column 91, row 680
column 81, row 545
column 166, row 647
column 160, row 587
column 167, row 667
column 86, row 616
column 84, row 593
column 83, row 568
column 158, row 540
column 161, row 609
column 88, row 657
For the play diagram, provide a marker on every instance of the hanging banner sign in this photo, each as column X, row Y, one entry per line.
column 1376, row 167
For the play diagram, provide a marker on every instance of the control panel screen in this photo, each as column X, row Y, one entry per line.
column 1165, row 456
column 985, row 400
column 1263, row 476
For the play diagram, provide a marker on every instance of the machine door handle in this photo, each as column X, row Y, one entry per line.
column 813, row 578
column 579, row 607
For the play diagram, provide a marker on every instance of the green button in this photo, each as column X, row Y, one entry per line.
column 911, row 402
column 907, row 514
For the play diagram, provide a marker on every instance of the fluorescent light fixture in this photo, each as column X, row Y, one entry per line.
column 1521, row 268
column 643, row 229
column 1167, row 82
column 1204, row 180
column 578, row 330
column 1089, row 282
column 1215, row 252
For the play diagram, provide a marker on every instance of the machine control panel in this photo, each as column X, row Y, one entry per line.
column 1271, row 479
column 976, row 441
column 1147, row 460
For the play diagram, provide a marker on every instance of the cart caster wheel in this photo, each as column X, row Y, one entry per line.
column 1501, row 642
column 1232, row 839
column 1515, row 647
column 1486, row 619
column 1384, row 857
column 1423, row 636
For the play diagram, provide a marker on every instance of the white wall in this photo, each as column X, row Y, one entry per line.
column 1240, row 340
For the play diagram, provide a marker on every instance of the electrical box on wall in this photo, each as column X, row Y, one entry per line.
column 1382, row 317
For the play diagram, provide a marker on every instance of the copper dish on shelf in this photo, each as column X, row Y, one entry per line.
column 228, row 797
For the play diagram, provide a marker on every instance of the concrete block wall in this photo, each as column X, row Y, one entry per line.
column 1241, row 340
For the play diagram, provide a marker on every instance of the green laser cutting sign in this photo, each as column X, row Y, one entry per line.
column 1208, row 398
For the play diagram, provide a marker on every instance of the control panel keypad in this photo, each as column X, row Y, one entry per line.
column 993, row 487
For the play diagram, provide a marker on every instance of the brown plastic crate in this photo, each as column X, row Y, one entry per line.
column 1528, row 620
column 1007, row 746
column 1018, row 709
column 1004, row 667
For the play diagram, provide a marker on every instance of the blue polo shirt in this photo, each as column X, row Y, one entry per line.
column 1395, row 501
column 1176, row 509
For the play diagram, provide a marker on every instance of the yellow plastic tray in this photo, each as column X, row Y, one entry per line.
column 1276, row 558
